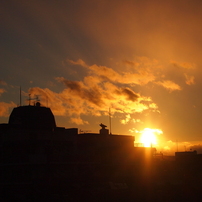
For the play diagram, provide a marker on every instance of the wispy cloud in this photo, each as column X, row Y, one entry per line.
column 189, row 79
column 2, row 91
column 170, row 85
column 126, row 120
column 78, row 62
column 185, row 65
column 187, row 70
column 5, row 108
column 140, row 72
column 78, row 121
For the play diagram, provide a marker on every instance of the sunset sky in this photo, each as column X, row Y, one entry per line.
column 141, row 59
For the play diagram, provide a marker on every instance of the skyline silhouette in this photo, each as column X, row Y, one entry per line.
column 40, row 161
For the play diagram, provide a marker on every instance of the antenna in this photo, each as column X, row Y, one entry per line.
column 47, row 101
column 110, row 129
column 20, row 96
column 29, row 98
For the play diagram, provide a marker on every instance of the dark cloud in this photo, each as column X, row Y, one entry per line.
column 75, row 86
column 128, row 93
column 92, row 94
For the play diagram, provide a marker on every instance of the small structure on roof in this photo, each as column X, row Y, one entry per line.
column 103, row 130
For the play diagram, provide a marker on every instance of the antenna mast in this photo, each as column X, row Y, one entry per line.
column 110, row 129
column 20, row 96
column 29, row 98
column 47, row 101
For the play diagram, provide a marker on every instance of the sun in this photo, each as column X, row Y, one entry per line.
column 149, row 137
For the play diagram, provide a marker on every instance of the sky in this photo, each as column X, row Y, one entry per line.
column 139, row 60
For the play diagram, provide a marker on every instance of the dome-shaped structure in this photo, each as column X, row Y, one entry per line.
column 32, row 118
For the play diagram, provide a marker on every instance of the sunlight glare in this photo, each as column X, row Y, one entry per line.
column 149, row 137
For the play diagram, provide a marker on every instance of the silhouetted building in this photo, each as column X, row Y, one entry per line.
column 37, row 155
column 32, row 118
column 186, row 156
column 40, row 161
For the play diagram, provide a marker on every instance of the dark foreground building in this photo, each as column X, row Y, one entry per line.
column 40, row 161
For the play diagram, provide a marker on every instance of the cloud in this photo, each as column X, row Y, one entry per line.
column 170, row 147
column 141, row 72
column 51, row 99
column 187, row 70
column 128, row 93
column 102, row 94
column 93, row 95
column 104, row 87
column 78, row 121
column 126, row 120
column 137, row 121
column 189, row 79
column 133, row 130
column 78, row 89
column 2, row 91
column 185, row 65
column 78, row 62
column 170, row 85
column 5, row 108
